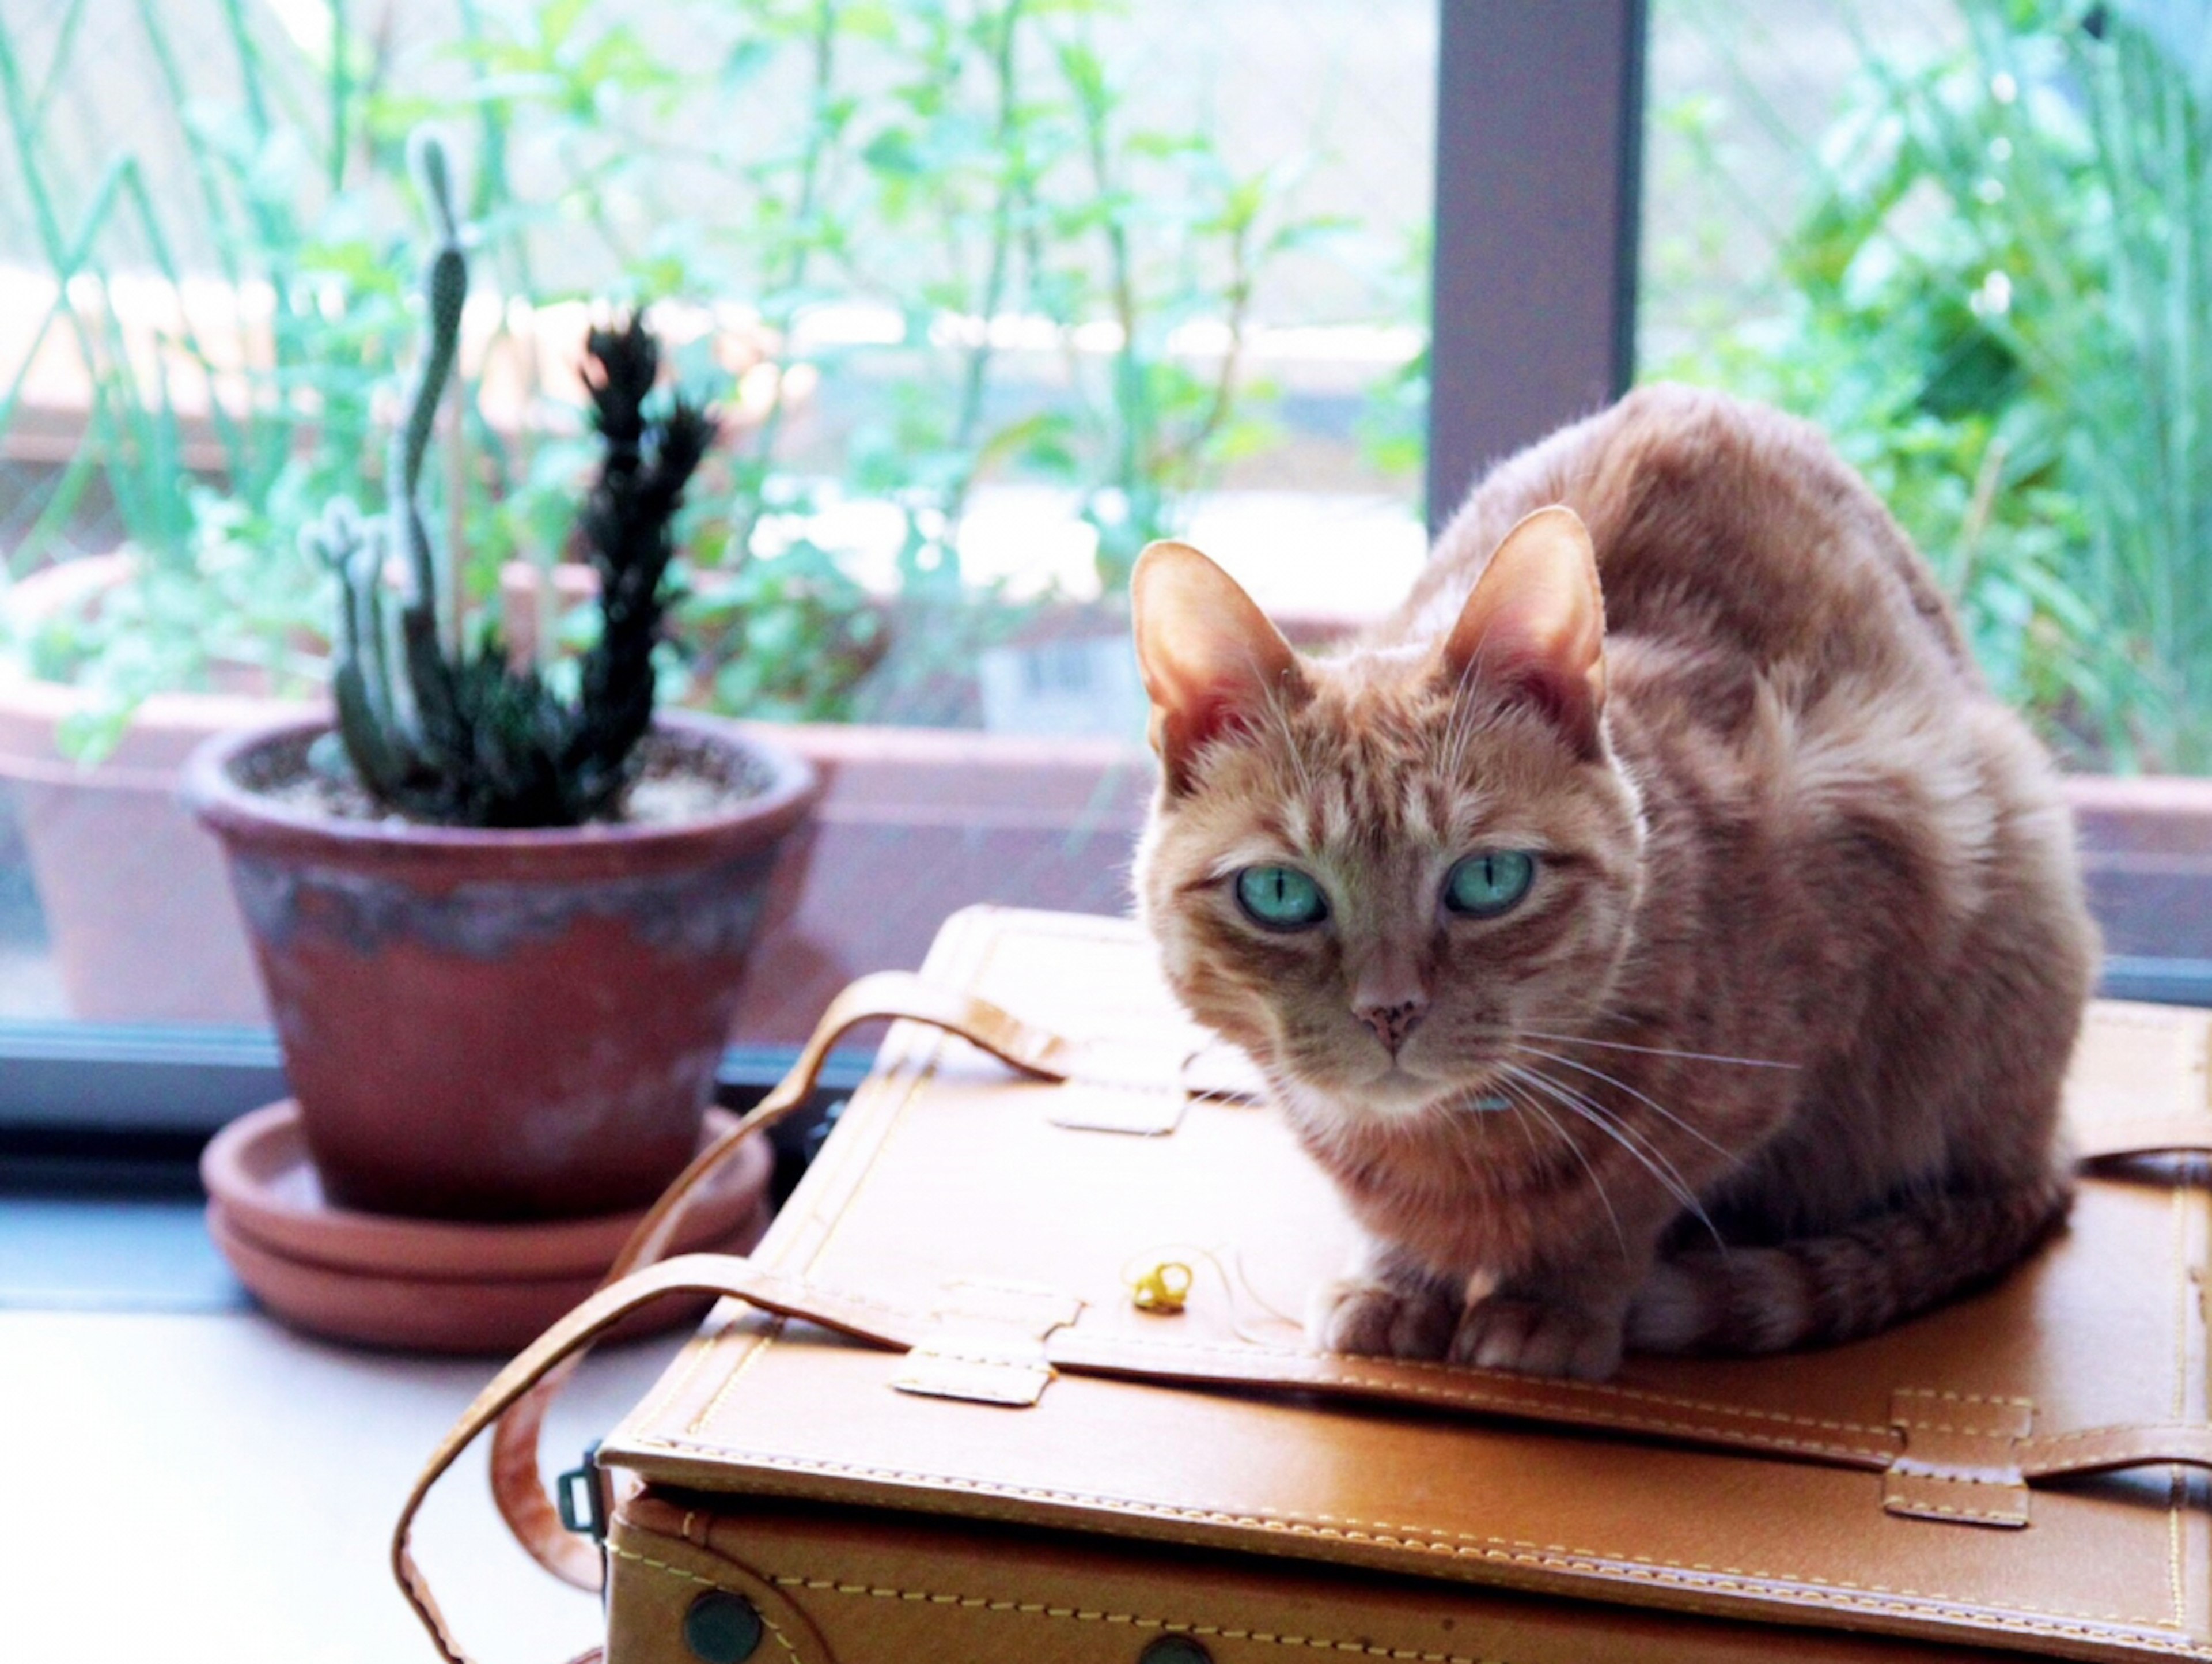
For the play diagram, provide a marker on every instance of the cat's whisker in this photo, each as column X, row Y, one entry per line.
column 1614, row 1122
column 1653, row 1159
column 1687, row 1194
column 1653, row 1104
column 1662, row 1171
column 1576, row 1150
column 1521, row 1121
column 1662, row 1051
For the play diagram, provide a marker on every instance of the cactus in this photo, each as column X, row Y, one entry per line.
column 449, row 732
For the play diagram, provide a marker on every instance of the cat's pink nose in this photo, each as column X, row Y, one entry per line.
column 1392, row 1023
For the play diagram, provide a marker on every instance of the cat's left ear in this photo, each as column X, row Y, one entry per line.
column 1210, row 659
column 1535, row 625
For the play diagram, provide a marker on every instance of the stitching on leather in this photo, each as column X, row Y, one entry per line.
column 2004, row 1433
column 2119, row 1438
column 1589, row 1388
column 2013, row 1518
column 924, row 1067
column 698, row 1349
column 1471, row 1392
column 1897, row 1503
column 1088, row 1615
column 2173, row 1493
column 689, row 1577
column 2151, row 1642
column 760, row 1343
column 2122, row 1440
column 2174, row 1482
column 1473, row 1397
column 1740, row 1435
column 1963, row 1397
column 1933, row 1478
column 1884, row 1454
column 1433, row 1539
column 1037, row 1367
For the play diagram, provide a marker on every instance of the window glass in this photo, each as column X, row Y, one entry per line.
column 989, row 293
column 1969, row 240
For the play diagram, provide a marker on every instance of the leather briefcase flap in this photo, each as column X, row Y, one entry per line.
column 1983, row 1473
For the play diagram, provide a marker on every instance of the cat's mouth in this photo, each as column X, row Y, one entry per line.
column 1404, row 1088
column 1398, row 1094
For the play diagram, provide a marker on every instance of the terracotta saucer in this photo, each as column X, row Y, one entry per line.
column 438, row 1285
column 258, row 1168
column 436, row 1315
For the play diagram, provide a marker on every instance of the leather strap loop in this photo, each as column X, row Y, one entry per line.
column 546, row 1358
column 2108, row 1449
column 2099, row 1139
column 520, row 1395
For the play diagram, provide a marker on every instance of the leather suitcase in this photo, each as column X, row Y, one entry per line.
column 951, row 1414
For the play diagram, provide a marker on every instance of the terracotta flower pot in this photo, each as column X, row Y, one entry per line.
column 498, row 1025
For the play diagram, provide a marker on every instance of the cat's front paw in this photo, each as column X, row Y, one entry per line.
column 1373, row 1319
column 1533, row 1338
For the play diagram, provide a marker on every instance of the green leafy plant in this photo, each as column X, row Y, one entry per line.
column 448, row 729
column 960, row 164
column 257, row 396
column 1161, row 423
column 1993, row 301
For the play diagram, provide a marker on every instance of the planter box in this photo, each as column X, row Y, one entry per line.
column 137, row 903
column 2147, row 851
column 914, row 823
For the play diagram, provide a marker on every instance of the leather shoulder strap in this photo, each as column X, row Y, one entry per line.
column 520, row 1395
column 547, row 1357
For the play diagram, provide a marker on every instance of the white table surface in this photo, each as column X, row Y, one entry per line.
column 182, row 1486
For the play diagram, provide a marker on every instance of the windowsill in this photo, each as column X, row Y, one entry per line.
column 190, row 1480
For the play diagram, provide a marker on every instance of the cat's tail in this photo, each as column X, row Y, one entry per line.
column 1820, row 1290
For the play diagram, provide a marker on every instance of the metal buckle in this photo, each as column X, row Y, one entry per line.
column 581, row 1502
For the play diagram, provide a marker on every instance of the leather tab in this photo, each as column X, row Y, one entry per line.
column 1147, row 1111
column 989, row 1344
column 1119, row 1086
column 2142, row 1083
column 1961, row 1461
column 976, row 1370
column 2181, row 1134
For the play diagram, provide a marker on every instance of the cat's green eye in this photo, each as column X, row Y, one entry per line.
column 1487, row 884
column 1281, row 898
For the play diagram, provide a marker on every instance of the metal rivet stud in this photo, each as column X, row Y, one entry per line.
column 1175, row 1650
column 721, row 1628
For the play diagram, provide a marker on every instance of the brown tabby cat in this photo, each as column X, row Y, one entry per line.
column 1655, row 927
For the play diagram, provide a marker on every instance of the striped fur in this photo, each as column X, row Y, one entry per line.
column 1780, row 1029
column 1816, row 1291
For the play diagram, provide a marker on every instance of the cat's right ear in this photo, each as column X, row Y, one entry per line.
column 1534, row 625
column 1209, row 658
